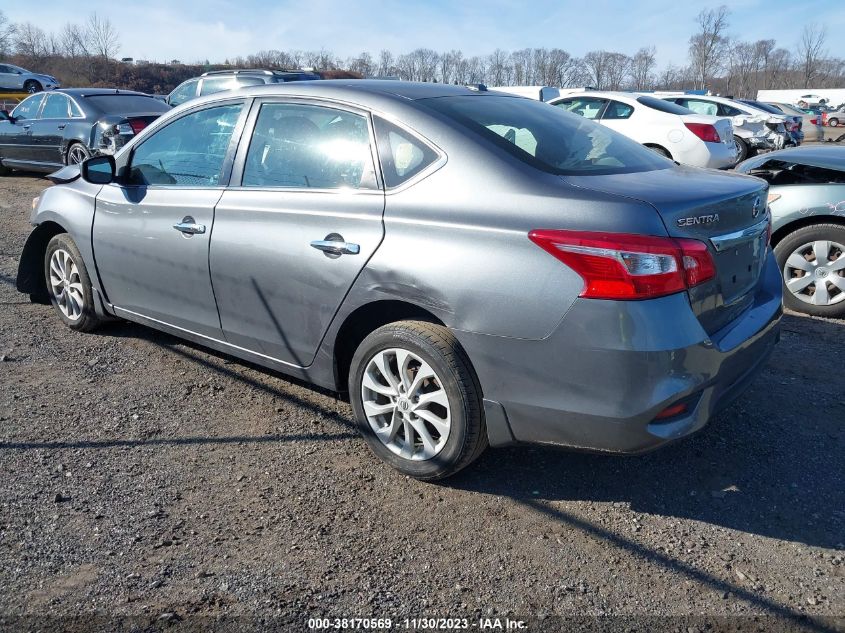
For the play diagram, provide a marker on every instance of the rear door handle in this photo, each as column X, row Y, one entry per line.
column 63, row 126
column 189, row 227
column 334, row 245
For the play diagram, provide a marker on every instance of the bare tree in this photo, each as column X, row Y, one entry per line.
column 811, row 51
column 30, row 41
column 7, row 34
column 73, row 41
column 499, row 68
column 642, row 66
column 101, row 37
column 362, row 64
column 607, row 69
column 707, row 46
column 386, row 64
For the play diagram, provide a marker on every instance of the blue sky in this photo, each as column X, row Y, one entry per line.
column 216, row 29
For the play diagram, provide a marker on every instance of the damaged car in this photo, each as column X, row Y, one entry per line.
column 755, row 130
column 65, row 127
column 807, row 202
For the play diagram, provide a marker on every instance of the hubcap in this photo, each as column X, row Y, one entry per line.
column 815, row 273
column 405, row 404
column 76, row 155
column 66, row 285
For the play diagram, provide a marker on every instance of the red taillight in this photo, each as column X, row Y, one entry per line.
column 814, row 121
column 672, row 411
column 137, row 125
column 623, row 266
column 705, row 132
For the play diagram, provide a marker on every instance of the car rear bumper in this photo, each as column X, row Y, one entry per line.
column 599, row 381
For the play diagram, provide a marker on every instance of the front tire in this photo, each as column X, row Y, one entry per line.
column 69, row 285
column 417, row 400
column 32, row 86
column 812, row 262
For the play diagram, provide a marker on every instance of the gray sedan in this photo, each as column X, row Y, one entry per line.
column 472, row 268
column 807, row 200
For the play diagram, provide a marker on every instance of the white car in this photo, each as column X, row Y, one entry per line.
column 754, row 129
column 677, row 133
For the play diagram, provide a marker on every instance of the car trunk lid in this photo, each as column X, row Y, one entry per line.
column 726, row 212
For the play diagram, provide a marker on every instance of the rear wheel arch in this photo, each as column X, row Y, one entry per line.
column 659, row 149
column 785, row 230
column 362, row 322
column 31, row 267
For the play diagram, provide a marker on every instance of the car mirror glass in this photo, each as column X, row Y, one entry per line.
column 99, row 170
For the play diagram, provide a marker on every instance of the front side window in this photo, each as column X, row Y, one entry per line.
column 587, row 107
column 183, row 93
column 189, row 152
column 618, row 110
column 28, row 108
column 547, row 138
column 402, row 155
column 308, row 146
column 55, row 107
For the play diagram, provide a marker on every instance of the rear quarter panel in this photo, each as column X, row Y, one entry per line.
column 802, row 202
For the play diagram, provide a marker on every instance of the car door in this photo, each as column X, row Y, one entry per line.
column 10, row 79
column 152, row 229
column 48, row 130
column 302, row 216
column 16, row 143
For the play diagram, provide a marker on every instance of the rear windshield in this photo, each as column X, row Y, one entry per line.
column 125, row 104
column 663, row 106
column 546, row 137
column 762, row 106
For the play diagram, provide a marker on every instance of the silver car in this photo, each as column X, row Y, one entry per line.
column 807, row 201
column 471, row 268
column 17, row 79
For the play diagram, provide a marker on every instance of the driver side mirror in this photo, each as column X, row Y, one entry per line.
column 99, row 170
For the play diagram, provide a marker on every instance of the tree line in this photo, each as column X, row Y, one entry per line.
column 83, row 54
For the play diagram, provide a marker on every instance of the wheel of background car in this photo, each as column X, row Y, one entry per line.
column 31, row 86
column 812, row 262
column 417, row 400
column 833, row 122
column 741, row 149
column 660, row 150
column 77, row 153
column 69, row 285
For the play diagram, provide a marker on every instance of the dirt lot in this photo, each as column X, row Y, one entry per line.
column 142, row 476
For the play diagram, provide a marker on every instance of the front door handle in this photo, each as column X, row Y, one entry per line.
column 63, row 126
column 334, row 246
column 188, row 227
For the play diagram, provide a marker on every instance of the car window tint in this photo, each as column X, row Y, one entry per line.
column 127, row 104
column 307, row 146
column 5, row 69
column 560, row 142
column 589, row 108
column 189, row 151
column 700, row 107
column 669, row 107
column 402, row 155
column 183, row 93
column 217, row 84
column 726, row 110
column 55, row 107
column 28, row 108
column 617, row 110
column 75, row 110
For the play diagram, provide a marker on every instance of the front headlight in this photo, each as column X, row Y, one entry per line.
column 35, row 202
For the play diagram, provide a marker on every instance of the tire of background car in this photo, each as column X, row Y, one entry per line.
column 69, row 285
column 741, row 149
column 76, row 153
column 4, row 171
column 436, row 400
column 833, row 122
column 799, row 256
column 31, row 86
column 660, row 150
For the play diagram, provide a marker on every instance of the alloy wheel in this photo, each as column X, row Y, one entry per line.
column 815, row 272
column 66, row 285
column 405, row 404
column 76, row 154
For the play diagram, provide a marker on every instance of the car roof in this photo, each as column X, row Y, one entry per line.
column 823, row 156
column 99, row 92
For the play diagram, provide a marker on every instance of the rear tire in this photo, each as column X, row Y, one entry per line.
column 441, row 415
column 31, row 86
column 799, row 256
column 76, row 154
column 660, row 150
column 69, row 285
column 833, row 122
column 742, row 150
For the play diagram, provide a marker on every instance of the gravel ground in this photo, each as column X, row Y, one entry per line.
column 142, row 476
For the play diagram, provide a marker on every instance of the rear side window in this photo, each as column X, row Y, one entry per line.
column 308, row 146
column 587, row 107
column 547, row 138
column 55, row 106
column 700, row 107
column 618, row 110
column 402, row 154
column 188, row 152
column 28, row 108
